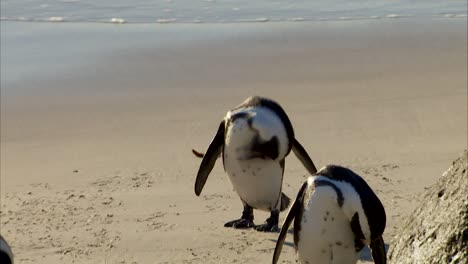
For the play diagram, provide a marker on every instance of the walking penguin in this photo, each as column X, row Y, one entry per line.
column 253, row 140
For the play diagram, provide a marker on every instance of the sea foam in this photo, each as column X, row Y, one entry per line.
column 116, row 20
column 393, row 16
column 166, row 21
column 56, row 19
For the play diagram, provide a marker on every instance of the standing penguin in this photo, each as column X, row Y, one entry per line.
column 6, row 256
column 335, row 215
column 254, row 140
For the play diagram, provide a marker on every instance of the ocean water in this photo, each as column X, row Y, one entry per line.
column 47, row 39
column 227, row 11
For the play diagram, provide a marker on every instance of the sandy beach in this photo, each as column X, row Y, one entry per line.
column 96, row 165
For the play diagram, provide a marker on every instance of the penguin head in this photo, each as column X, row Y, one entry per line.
column 253, row 134
column 239, row 128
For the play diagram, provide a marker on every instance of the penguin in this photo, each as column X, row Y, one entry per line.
column 253, row 140
column 6, row 255
column 335, row 215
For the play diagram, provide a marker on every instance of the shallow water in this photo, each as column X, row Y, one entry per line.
column 164, row 11
column 77, row 32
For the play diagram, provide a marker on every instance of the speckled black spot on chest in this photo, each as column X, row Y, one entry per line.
column 325, row 218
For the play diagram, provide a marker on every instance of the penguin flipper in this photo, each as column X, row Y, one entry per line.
column 378, row 251
column 295, row 208
column 209, row 159
column 302, row 155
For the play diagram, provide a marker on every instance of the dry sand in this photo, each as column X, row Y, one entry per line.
column 98, row 168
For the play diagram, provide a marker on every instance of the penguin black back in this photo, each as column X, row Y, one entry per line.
column 334, row 210
column 371, row 204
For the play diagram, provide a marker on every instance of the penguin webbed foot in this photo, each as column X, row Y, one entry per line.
column 271, row 224
column 267, row 227
column 246, row 220
column 240, row 224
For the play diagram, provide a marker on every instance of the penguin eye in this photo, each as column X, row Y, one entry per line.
column 249, row 122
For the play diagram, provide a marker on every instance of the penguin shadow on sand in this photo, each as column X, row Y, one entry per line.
column 366, row 254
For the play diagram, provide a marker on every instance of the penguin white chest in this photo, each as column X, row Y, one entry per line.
column 325, row 235
column 257, row 180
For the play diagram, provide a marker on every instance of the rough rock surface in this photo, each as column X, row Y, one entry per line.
column 437, row 231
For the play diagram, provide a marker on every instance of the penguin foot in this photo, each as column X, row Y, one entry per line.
column 240, row 224
column 271, row 224
column 268, row 227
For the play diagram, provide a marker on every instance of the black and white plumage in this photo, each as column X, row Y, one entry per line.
column 254, row 140
column 335, row 215
column 6, row 255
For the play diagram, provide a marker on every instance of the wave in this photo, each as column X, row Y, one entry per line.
column 117, row 20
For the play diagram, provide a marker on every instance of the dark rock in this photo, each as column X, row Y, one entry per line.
column 437, row 231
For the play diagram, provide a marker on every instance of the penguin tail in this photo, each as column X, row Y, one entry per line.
column 198, row 154
column 285, row 201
